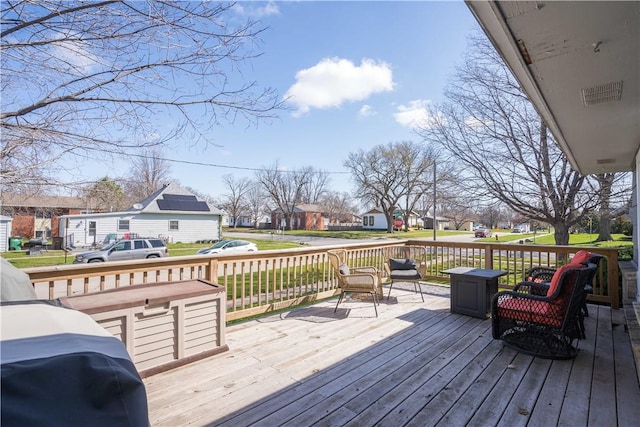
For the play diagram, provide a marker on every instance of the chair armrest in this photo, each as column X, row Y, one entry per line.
column 387, row 269
column 369, row 270
column 372, row 270
column 422, row 269
column 366, row 282
column 505, row 295
column 539, row 271
column 531, row 288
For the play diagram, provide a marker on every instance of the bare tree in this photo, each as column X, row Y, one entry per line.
column 284, row 188
column 148, row 173
column 317, row 183
column 387, row 174
column 339, row 207
column 458, row 208
column 234, row 200
column 257, row 203
column 89, row 79
column 614, row 192
column 490, row 128
column 417, row 163
column 200, row 195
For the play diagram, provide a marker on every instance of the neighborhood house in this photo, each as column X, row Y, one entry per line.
column 375, row 219
column 305, row 217
column 171, row 213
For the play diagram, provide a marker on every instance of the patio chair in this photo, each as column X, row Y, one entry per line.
column 360, row 280
column 543, row 275
column 543, row 325
column 405, row 270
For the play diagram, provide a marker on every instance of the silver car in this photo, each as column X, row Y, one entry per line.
column 125, row 250
column 229, row 247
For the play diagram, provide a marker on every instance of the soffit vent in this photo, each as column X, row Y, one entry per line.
column 607, row 92
column 606, row 161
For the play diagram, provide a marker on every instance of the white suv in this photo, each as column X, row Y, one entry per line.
column 124, row 250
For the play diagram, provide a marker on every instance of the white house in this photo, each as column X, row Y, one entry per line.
column 375, row 219
column 171, row 213
column 442, row 223
column 244, row 221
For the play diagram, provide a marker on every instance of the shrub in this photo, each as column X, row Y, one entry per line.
column 625, row 253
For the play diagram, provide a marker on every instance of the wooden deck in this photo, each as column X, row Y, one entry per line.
column 416, row 364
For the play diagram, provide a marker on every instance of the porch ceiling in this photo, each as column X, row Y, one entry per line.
column 565, row 52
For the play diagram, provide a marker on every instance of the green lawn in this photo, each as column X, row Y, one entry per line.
column 21, row 259
column 354, row 234
column 50, row 258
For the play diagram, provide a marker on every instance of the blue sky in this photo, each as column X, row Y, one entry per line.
column 357, row 74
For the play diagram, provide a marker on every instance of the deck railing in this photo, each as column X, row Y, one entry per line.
column 264, row 281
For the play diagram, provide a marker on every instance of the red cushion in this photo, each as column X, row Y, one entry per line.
column 581, row 257
column 555, row 280
column 530, row 311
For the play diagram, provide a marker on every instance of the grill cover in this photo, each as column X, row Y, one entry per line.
column 59, row 367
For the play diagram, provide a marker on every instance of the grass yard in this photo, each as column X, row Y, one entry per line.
column 21, row 259
column 355, row 234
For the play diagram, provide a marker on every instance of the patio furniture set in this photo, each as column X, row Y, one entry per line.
column 542, row 316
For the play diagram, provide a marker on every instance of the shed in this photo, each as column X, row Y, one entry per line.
column 5, row 232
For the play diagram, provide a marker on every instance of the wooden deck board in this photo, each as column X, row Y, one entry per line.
column 575, row 405
column 416, row 365
column 603, row 380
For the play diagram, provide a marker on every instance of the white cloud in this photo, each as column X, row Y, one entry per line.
column 74, row 56
column 475, row 123
column 333, row 81
column 271, row 8
column 414, row 115
column 367, row 111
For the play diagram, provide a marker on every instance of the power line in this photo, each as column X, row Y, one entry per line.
column 188, row 162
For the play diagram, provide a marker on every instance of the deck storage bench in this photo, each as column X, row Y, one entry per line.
column 163, row 325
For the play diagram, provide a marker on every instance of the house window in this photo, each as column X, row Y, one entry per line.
column 371, row 221
column 173, row 225
column 365, row 220
column 92, row 228
column 123, row 225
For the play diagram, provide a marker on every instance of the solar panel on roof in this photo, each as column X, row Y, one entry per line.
column 184, row 197
column 182, row 205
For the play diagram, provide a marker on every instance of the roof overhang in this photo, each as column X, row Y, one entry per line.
column 579, row 64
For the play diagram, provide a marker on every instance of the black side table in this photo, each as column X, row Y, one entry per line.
column 472, row 290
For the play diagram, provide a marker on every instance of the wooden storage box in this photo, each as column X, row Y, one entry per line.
column 163, row 325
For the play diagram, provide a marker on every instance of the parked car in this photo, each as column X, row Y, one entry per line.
column 483, row 232
column 229, row 247
column 516, row 230
column 125, row 249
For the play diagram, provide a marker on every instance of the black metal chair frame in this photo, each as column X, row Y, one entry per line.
column 543, row 275
column 531, row 322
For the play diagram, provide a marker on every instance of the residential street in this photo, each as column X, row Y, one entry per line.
column 326, row 241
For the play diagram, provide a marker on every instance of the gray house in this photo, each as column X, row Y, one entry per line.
column 171, row 213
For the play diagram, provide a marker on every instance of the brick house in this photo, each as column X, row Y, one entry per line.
column 305, row 217
column 37, row 216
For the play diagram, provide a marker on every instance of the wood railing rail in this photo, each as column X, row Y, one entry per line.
column 264, row 281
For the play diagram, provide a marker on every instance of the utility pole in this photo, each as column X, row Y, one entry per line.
column 434, row 201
